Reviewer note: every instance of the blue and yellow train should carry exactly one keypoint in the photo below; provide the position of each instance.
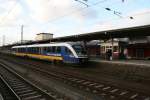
(56, 52)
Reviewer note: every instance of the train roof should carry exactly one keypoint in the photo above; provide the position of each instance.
(46, 45)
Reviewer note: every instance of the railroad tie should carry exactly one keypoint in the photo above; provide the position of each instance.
(103, 94)
(99, 86)
(134, 96)
(29, 93)
(123, 93)
(94, 91)
(74, 79)
(32, 97)
(80, 81)
(87, 89)
(23, 92)
(87, 82)
(106, 88)
(92, 84)
(21, 86)
(114, 90)
(22, 89)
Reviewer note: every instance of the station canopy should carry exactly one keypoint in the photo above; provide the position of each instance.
(130, 32)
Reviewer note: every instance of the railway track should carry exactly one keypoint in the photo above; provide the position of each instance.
(107, 91)
(23, 89)
(5, 91)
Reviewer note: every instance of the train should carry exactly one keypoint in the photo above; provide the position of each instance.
(56, 52)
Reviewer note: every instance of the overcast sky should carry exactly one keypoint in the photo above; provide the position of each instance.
(68, 17)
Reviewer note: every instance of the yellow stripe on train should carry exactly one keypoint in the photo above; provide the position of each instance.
(20, 54)
(40, 56)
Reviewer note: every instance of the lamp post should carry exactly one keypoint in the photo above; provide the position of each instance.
(22, 33)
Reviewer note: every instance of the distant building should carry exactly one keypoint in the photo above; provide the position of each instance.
(139, 48)
(100, 48)
(108, 45)
(131, 48)
(43, 36)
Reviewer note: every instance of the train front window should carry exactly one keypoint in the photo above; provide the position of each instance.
(68, 51)
(58, 49)
(79, 49)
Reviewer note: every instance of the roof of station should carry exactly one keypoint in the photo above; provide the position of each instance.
(115, 33)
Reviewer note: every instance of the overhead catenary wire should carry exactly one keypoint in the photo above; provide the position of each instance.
(75, 11)
(81, 9)
(82, 2)
(87, 7)
(132, 16)
(90, 5)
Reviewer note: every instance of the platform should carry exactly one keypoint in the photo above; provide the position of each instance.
(126, 62)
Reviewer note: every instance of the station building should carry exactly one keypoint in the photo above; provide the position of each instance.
(139, 48)
(133, 48)
(99, 48)
(109, 45)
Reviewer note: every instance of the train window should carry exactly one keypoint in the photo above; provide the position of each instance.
(44, 49)
(53, 49)
(79, 49)
(30, 50)
(58, 49)
(18, 49)
(23, 50)
(27, 50)
(37, 50)
(34, 50)
(49, 49)
(68, 51)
